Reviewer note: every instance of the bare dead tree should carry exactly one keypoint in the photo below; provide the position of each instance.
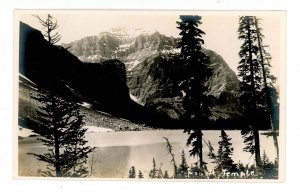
(170, 151)
(49, 27)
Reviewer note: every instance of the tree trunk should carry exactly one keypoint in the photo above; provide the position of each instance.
(257, 147)
(56, 136)
(253, 109)
(57, 160)
(268, 99)
(200, 150)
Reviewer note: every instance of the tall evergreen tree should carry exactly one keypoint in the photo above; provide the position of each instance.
(251, 77)
(259, 96)
(183, 169)
(62, 131)
(61, 127)
(197, 103)
(269, 92)
(223, 157)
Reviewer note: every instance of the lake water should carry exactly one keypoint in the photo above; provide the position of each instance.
(116, 152)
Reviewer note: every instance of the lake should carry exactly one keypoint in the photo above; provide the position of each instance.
(116, 152)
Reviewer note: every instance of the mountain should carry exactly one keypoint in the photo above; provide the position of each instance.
(152, 85)
(147, 58)
(129, 47)
(55, 68)
(28, 107)
(103, 85)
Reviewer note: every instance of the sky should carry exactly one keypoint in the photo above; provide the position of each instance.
(220, 28)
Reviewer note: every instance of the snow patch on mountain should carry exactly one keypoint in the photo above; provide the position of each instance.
(125, 46)
(171, 51)
(27, 79)
(24, 80)
(24, 132)
(138, 57)
(86, 105)
(135, 99)
(125, 33)
(133, 64)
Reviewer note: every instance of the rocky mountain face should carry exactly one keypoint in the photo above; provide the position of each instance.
(153, 86)
(103, 84)
(131, 49)
(148, 58)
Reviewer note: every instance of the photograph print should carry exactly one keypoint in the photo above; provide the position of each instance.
(150, 95)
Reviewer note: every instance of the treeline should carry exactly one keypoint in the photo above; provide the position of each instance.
(224, 167)
(258, 99)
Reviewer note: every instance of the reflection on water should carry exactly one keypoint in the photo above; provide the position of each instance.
(116, 152)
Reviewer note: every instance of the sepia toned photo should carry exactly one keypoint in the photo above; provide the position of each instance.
(150, 95)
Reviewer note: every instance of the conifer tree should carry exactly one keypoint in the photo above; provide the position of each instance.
(223, 157)
(140, 175)
(269, 92)
(61, 127)
(183, 169)
(241, 168)
(132, 173)
(154, 171)
(225, 151)
(166, 175)
(196, 172)
(160, 173)
(62, 132)
(259, 96)
(269, 169)
(251, 79)
(197, 103)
